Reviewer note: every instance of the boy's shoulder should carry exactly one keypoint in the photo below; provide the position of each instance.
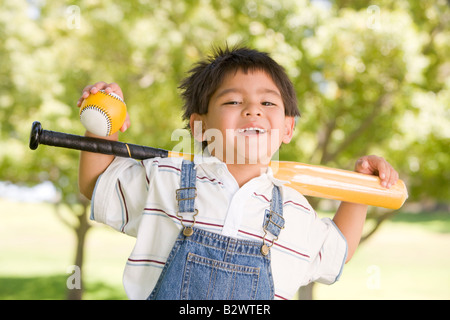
(294, 199)
(158, 161)
(161, 165)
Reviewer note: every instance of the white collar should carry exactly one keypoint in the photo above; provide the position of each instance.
(207, 159)
(277, 182)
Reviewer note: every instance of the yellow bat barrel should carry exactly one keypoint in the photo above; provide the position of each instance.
(337, 184)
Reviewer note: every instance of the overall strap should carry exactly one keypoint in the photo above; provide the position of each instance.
(187, 192)
(273, 219)
(186, 195)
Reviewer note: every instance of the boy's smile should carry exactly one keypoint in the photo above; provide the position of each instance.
(246, 120)
(251, 131)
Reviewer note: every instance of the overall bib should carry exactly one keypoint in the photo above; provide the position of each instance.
(205, 265)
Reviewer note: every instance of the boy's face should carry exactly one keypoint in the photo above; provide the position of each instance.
(246, 120)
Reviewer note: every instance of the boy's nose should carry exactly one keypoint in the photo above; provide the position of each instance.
(252, 109)
(249, 114)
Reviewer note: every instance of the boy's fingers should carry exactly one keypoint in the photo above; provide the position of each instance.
(101, 85)
(363, 165)
(359, 164)
(393, 177)
(385, 176)
(111, 87)
(388, 174)
(84, 94)
(378, 165)
(115, 88)
(383, 170)
(126, 124)
(108, 87)
(94, 90)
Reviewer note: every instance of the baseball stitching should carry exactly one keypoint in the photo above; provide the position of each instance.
(102, 111)
(112, 96)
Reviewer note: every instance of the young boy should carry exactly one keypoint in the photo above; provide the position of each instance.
(222, 227)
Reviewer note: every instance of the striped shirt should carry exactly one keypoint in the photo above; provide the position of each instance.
(138, 198)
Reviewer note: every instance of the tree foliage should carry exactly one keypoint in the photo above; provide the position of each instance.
(369, 79)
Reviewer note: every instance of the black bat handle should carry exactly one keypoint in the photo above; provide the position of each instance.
(116, 148)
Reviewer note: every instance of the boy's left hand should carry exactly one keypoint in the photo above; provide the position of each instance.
(377, 166)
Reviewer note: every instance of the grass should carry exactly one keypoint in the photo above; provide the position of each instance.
(37, 252)
(408, 258)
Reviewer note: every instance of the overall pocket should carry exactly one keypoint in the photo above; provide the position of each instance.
(208, 279)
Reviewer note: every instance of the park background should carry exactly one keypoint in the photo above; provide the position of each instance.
(372, 77)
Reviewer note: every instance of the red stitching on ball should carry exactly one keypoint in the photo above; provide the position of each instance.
(98, 108)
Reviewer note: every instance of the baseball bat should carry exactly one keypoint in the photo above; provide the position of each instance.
(309, 180)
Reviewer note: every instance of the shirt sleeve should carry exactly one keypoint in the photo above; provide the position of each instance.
(120, 194)
(328, 264)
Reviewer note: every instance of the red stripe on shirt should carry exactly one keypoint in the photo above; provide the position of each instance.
(146, 177)
(147, 260)
(184, 220)
(297, 204)
(261, 195)
(210, 179)
(125, 205)
(275, 243)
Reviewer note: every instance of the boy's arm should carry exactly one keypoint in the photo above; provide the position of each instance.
(92, 165)
(350, 217)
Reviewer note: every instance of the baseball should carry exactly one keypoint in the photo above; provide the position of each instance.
(103, 113)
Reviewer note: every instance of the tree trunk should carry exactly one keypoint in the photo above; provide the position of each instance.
(75, 288)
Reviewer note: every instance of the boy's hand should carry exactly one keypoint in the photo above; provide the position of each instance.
(377, 166)
(108, 87)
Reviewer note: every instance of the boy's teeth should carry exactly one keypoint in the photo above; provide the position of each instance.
(252, 129)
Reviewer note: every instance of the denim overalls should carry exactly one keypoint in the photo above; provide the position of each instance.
(206, 265)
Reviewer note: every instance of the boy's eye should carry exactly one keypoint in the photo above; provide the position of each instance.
(267, 103)
(232, 102)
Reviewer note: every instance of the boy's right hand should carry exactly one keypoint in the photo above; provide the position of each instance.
(109, 88)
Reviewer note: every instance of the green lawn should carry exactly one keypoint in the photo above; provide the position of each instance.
(37, 251)
(407, 259)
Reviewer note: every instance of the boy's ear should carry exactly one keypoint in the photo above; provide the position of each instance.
(289, 124)
(197, 126)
